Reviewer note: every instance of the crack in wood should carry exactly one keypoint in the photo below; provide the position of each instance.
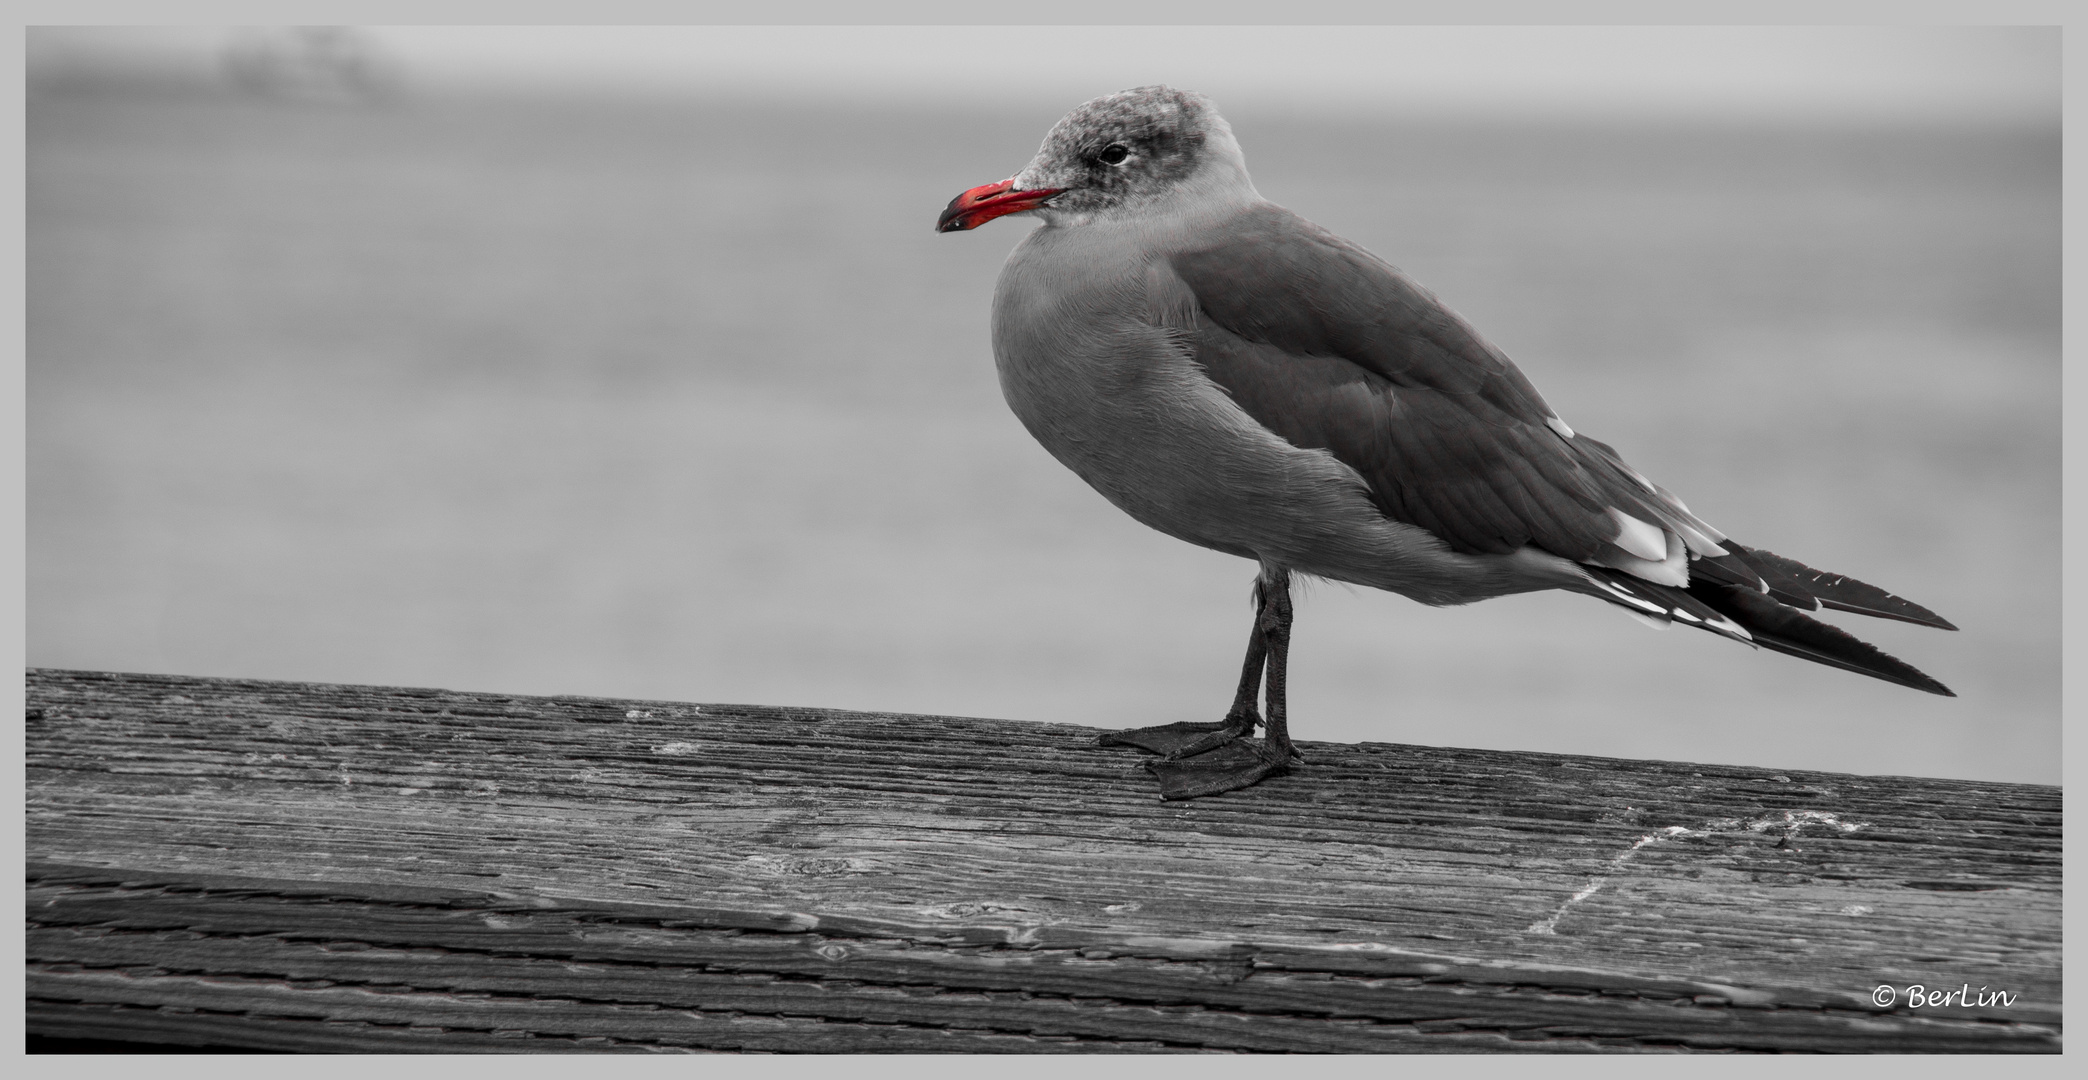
(1262, 967)
(1442, 1028)
(587, 1041)
(1791, 821)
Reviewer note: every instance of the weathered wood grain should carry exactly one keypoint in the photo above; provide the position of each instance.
(355, 868)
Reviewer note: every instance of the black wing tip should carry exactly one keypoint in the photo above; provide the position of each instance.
(1760, 620)
(1877, 664)
(1784, 629)
(1919, 616)
(1837, 591)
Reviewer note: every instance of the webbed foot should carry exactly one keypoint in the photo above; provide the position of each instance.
(1237, 764)
(1175, 740)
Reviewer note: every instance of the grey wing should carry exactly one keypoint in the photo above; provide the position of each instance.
(1332, 348)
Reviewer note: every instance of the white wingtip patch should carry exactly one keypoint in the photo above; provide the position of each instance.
(1559, 426)
(1647, 542)
(1627, 597)
(1673, 570)
(1648, 621)
(1700, 543)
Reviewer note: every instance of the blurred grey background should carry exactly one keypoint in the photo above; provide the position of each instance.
(625, 362)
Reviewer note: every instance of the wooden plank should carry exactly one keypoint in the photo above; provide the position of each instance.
(337, 867)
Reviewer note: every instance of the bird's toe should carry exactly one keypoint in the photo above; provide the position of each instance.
(1238, 764)
(1172, 740)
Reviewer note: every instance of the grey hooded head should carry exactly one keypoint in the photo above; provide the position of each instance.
(1132, 148)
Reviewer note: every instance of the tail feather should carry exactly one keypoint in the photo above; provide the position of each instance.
(1724, 599)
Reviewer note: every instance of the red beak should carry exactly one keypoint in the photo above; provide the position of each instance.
(988, 201)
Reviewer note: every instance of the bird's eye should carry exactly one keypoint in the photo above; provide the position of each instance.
(1113, 154)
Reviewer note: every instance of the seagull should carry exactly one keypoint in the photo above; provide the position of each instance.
(1238, 377)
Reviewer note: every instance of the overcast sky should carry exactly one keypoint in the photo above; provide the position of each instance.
(1788, 72)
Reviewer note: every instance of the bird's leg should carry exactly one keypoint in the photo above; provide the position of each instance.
(1277, 616)
(1241, 720)
(1232, 762)
(1188, 737)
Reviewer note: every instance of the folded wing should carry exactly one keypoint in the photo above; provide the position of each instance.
(1333, 348)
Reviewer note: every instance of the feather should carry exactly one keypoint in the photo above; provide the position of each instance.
(1746, 614)
(1333, 349)
(1844, 593)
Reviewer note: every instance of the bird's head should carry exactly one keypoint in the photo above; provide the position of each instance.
(1130, 152)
